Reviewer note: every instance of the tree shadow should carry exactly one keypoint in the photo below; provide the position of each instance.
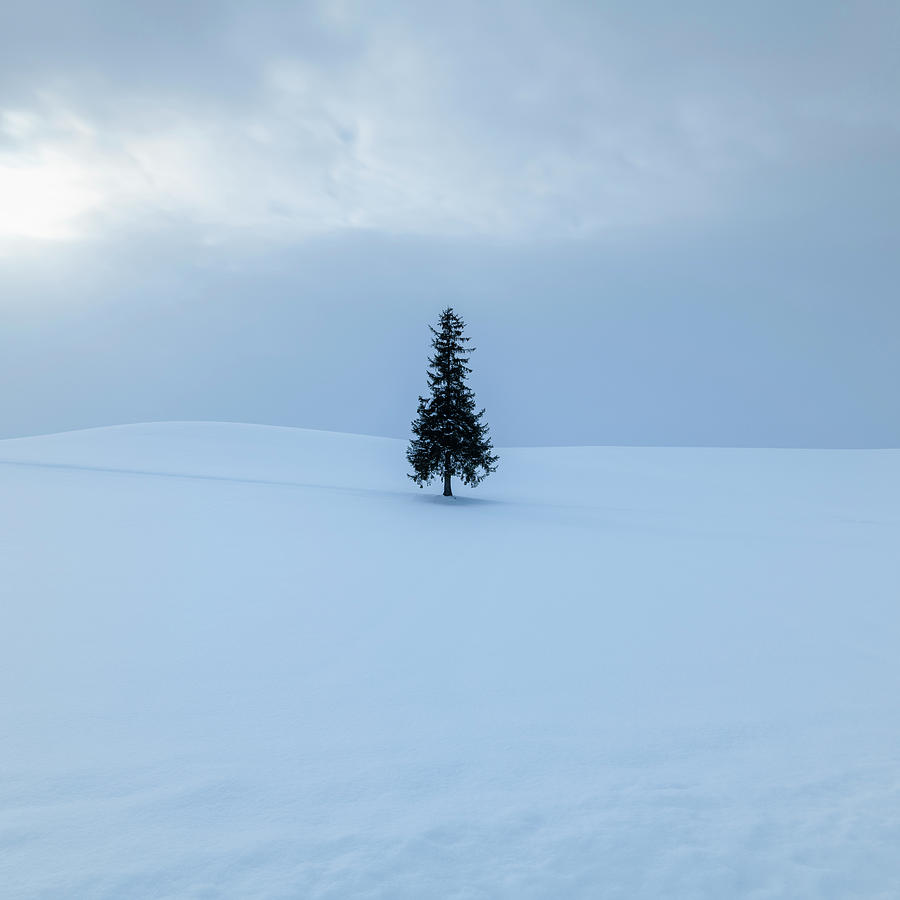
(457, 500)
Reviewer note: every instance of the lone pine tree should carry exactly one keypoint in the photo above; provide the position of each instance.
(450, 438)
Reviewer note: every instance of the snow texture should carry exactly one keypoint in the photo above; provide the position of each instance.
(252, 662)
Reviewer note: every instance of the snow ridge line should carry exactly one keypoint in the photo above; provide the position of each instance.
(110, 470)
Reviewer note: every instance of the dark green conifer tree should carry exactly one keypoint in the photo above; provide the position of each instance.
(449, 436)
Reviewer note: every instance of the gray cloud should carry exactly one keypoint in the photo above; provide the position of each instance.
(503, 120)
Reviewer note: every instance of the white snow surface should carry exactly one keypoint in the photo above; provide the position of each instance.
(254, 662)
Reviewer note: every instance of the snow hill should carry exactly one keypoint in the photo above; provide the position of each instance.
(242, 661)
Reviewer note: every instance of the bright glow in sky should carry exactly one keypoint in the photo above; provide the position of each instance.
(44, 201)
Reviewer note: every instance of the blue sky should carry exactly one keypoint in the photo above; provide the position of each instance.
(665, 224)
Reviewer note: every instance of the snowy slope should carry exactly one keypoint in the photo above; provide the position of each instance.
(241, 661)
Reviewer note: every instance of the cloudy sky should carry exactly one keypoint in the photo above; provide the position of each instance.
(665, 223)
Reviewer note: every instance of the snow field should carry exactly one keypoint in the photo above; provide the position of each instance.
(241, 661)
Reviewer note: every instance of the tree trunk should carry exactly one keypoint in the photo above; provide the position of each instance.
(447, 491)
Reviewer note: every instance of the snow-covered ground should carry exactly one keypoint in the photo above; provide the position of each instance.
(240, 661)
